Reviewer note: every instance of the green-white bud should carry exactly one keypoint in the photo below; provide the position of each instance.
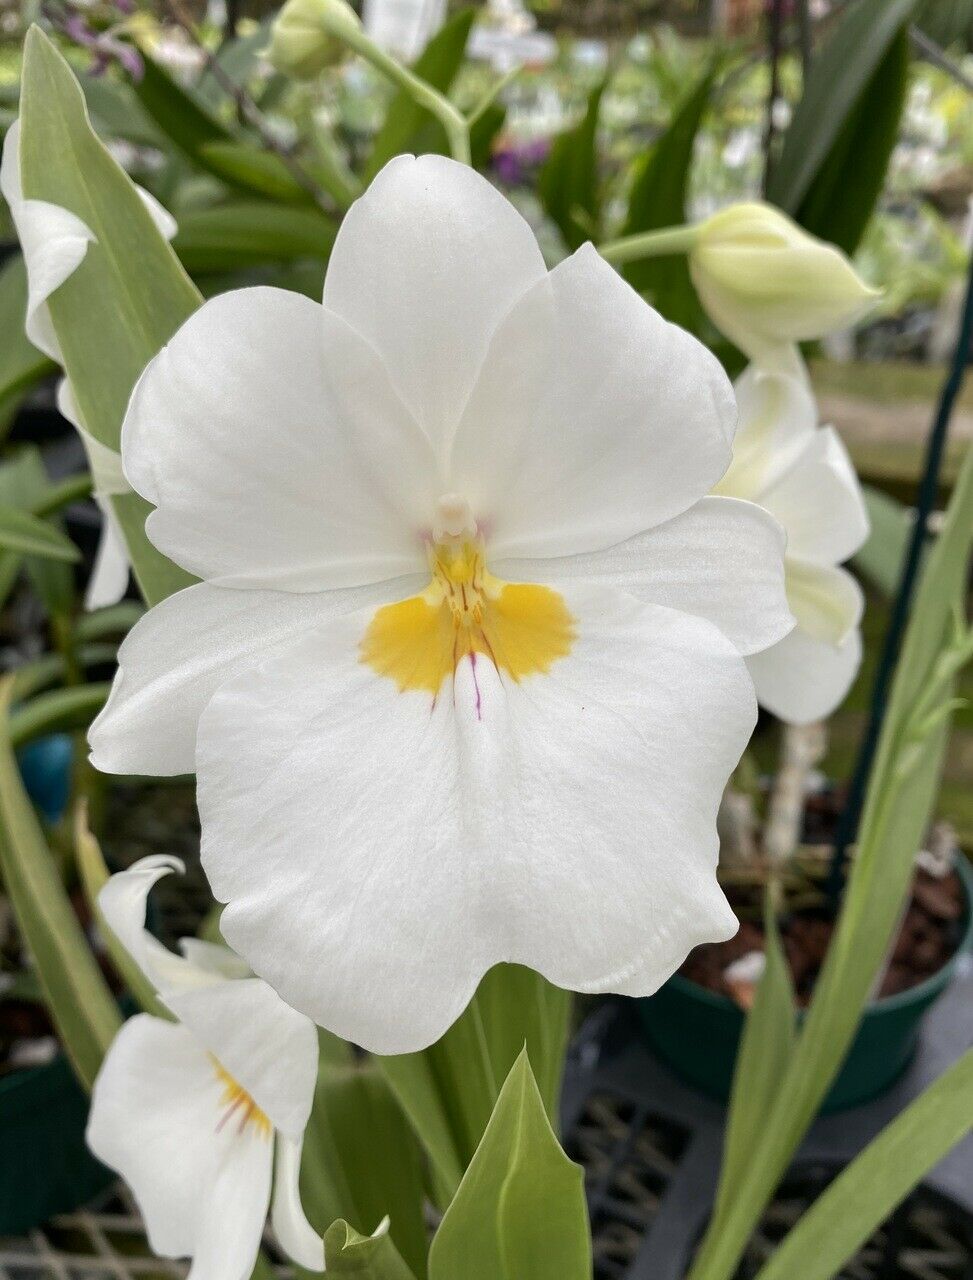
(765, 282)
(309, 35)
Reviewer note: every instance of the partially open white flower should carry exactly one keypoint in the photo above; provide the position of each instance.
(200, 1116)
(463, 681)
(54, 242)
(801, 473)
(766, 283)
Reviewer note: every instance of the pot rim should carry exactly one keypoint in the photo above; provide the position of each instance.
(885, 1004)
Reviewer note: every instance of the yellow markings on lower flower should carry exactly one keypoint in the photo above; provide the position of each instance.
(236, 1102)
(521, 628)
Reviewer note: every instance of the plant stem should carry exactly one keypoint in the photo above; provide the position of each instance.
(649, 244)
(453, 121)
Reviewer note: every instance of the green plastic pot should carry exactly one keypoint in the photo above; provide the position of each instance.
(45, 1167)
(697, 1032)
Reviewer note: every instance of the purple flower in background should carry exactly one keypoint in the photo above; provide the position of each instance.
(105, 46)
(514, 161)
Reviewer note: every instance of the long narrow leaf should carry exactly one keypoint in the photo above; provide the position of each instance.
(568, 183)
(837, 80)
(845, 1215)
(81, 1005)
(29, 535)
(127, 297)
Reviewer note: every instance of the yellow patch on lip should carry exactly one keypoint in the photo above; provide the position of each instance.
(236, 1102)
(521, 628)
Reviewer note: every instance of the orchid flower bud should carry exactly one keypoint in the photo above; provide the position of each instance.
(307, 36)
(765, 282)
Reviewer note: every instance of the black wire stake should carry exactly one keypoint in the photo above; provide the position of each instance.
(851, 816)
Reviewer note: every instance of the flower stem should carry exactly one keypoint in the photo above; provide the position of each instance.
(453, 121)
(649, 244)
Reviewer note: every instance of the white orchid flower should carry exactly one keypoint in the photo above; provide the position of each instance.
(202, 1115)
(462, 683)
(766, 283)
(54, 242)
(802, 475)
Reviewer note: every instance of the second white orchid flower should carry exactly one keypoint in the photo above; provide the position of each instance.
(463, 683)
(202, 1116)
(802, 475)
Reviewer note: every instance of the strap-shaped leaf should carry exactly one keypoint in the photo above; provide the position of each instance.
(449, 1090)
(568, 184)
(21, 364)
(81, 1005)
(861, 1198)
(835, 84)
(658, 199)
(840, 201)
(130, 293)
(520, 1210)
(765, 1051)
(361, 1161)
(29, 535)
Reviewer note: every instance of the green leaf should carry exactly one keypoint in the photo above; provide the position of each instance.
(29, 535)
(250, 232)
(354, 1116)
(254, 170)
(658, 199)
(765, 1051)
(25, 486)
(840, 201)
(882, 556)
(448, 1091)
(861, 1198)
(568, 181)
(58, 711)
(347, 1252)
(130, 293)
(22, 366)
(835, 84)
(520, 1210)
(405, 119)
(180, 116)
(80, 1003)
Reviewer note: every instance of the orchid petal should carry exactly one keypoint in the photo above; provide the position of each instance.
(721, 560)
(802, 679)
(593, 418)
(295, 1234)
(426, 265)
(177, 655)
(406, 843)
(268, 438)
(826, 601)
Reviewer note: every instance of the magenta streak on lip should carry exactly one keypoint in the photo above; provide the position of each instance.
(476, 684)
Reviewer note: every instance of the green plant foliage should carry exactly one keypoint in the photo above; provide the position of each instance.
(765, 1051)
(130, 293)
(841, 199)
(407, 126)
(374, 1257)
(863, 1195)
(24, 486)
(898, 805)
(880, 560)
(21, 532)
(244, 233)
(261, 172)
(658, 199)
(57, 711)
(568, 184)
(449, 1090)
(361, 1161)
(839, 74)
(178, 114)
(77, 996)
(520, 1210)
(22, 366)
